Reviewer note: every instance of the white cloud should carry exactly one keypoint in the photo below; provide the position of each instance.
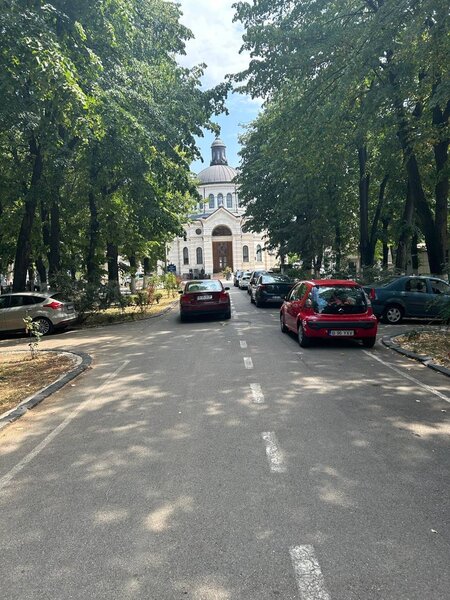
(217, 39)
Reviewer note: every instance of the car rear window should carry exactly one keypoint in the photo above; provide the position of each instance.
(275, 279)
(203, 286)
(60, 296)
(338, 300)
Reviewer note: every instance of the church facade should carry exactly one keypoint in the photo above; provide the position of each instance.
(213, 238)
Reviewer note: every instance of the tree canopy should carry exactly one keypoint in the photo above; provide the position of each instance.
(97, 132)
(355, 126)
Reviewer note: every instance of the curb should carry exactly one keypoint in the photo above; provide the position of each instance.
(387, 340)
(82, 363)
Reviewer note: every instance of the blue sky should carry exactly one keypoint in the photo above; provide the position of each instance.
(217, 43)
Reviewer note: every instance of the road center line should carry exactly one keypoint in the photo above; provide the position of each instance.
(258, 396)
(248, 362)
(243, 344)
(409, 377)
(274, 454)
(46, 441)
(308, 575)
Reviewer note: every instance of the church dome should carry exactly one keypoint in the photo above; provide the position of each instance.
(219, 171)
(217, 174)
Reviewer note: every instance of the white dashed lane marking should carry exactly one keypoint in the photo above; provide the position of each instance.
(308, 575)
(243, 344)
(248, 362)
(258, 396)
(274, 454)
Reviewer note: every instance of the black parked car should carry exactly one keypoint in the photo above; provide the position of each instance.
(409, 296)
(270, 288)
(253, 279)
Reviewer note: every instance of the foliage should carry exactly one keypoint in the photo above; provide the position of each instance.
(351, 146)
(34, 331)
(97, 126)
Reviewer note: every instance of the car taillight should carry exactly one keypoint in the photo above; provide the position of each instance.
(54, 305)
(372, 294)
(185, 299)
(223, 297)
(262, 287)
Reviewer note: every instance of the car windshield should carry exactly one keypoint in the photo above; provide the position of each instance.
(203, 286)
(338, 299)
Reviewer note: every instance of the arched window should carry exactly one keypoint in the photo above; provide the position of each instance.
(222, 230)
(229, 201)
(245, 253)
(258, 253)
(211, 201)
(219, 199)
(199, 256)
(185, 256)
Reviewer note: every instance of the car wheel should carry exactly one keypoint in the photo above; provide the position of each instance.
(283, 327)
(303, 339)
(252, 300)
(227, 315)
(369, 342)
(393, 314)
(258, 303)
(183, 318)
(45, 325)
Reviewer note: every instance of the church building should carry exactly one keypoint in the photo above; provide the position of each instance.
(213, 238)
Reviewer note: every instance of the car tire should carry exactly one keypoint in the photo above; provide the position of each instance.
(283, 327)
(227, 315)
(183, 318)
(303, 339)
(252, 300)
(393, 314)
(45, 325)
(369, 342)
(258, 303)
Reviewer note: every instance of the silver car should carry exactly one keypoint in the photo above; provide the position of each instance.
(46, 309)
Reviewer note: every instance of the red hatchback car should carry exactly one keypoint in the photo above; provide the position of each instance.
(329, 308)
(204, 297)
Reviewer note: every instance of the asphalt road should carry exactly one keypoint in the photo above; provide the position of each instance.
(217, 460)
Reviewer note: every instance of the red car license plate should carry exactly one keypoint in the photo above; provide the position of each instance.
(342, 332)
(205, 297)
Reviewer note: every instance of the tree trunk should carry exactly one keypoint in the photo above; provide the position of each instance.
(374, 229)
(440, 120)
(94, 228)
(364, 182)
(23, 247)
(401, 256)
(112, 257)
(414, 253)
(385, 222)
(41, 269)
(430, 228)
(133, 268)
(54, 254)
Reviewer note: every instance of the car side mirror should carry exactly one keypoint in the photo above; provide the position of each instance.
(227, 288)
(308, 303)
(180, 291)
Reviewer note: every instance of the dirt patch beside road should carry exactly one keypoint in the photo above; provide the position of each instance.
(21, 376)
(435, 344)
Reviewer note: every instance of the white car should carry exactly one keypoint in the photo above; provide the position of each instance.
(244, 280)
(46, 309)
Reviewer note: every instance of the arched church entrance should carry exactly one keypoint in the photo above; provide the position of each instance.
(222, 246)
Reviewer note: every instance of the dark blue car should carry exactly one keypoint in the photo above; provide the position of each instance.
(409, 296)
